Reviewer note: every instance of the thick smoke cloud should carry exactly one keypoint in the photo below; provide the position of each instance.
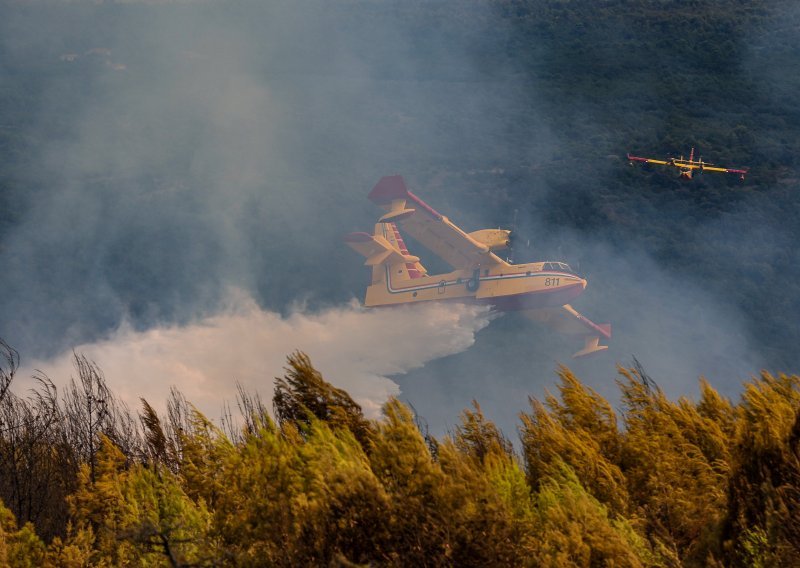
(355, 349)
(191, 147)
(194, 147)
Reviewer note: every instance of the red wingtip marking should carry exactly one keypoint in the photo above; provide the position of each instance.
(387, 189)
(422, 205)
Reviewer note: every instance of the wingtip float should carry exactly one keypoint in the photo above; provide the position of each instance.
(540, 290)
(687, 167)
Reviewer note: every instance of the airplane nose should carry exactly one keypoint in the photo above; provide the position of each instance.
(583, 283)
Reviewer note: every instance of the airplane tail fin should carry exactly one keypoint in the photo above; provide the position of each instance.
(388, 189)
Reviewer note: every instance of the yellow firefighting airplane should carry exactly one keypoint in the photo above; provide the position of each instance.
(686, 167)
(541, 290)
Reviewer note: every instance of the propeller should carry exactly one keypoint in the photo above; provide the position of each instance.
(515, 242)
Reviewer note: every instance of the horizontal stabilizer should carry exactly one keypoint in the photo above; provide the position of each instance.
(378, 258)
(591, 345)
(377, 249)
(397, 215)
(360, 237)
(390, 257)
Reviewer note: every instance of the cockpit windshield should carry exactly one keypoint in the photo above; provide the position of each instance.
(560, 266)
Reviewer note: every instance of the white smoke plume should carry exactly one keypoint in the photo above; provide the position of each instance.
(355, 348)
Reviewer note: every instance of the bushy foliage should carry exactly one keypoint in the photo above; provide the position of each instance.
(657, 483)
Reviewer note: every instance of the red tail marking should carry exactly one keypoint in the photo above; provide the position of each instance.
(387, 189)
(410, 266)
(394, 187)
(606, 328)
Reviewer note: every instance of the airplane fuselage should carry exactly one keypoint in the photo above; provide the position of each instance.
(541, 290)
(510, 287)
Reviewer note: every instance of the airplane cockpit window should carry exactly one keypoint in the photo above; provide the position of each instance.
(560, 266)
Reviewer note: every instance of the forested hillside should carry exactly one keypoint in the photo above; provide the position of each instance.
(657, 78)
(86, 481)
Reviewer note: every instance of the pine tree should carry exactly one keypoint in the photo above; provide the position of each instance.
(302, 393)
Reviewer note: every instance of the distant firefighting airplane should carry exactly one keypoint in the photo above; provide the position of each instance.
(686, 167)
(540, 290)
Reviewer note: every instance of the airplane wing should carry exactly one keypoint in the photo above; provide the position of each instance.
(568, 321)
(647, 160)
(433, 230)
(725, 170)
(707, 167)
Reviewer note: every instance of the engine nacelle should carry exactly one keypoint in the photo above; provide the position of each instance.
(495, 239)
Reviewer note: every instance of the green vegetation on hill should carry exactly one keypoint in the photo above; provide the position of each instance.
(656, 78)
(657, 483)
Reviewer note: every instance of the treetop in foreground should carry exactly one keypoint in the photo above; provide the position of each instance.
(654, 483)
